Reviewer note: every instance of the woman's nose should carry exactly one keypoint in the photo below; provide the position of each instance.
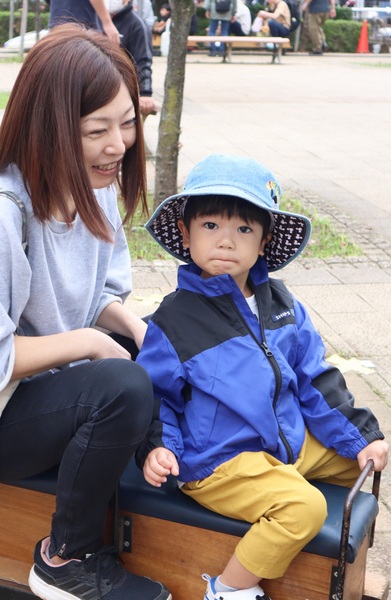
(116, 144)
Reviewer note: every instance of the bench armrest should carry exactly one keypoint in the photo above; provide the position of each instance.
(347, 513)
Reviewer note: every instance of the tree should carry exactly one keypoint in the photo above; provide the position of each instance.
(170, 119)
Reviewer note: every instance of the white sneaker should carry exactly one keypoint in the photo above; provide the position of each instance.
(254, 593)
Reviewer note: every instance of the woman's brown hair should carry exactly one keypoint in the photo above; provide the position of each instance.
(67, 75)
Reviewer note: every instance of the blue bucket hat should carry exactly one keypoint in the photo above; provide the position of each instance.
(238, 177)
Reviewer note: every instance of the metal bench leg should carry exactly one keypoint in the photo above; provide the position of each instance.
(227, 52)
(277, 52)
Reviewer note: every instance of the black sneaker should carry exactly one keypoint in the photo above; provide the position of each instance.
(100, 576)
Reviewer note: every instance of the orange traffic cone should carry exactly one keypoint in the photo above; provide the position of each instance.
(362, 45)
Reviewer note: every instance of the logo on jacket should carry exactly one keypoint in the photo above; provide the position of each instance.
(283, 315)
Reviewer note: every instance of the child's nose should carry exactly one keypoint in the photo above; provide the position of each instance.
(226, 240)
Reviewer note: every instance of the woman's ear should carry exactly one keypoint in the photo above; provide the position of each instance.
(185, 234)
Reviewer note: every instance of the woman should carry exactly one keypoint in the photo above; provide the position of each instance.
(70, 395)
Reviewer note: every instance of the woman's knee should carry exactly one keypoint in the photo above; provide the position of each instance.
(122, 391)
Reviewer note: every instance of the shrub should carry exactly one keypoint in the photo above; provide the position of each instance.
(4, 24)
(202, 21)
(344, 13)
(342, 35)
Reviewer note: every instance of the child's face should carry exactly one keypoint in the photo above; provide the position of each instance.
(219, 245)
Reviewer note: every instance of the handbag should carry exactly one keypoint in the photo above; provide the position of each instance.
(222, 6)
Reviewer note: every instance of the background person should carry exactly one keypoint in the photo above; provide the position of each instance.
(164, 17)
(144, 8)
(137, 41)
(91, 13)
(278, 19)
(318, 12)
(219, 18)
(242, 23)
(70, 395)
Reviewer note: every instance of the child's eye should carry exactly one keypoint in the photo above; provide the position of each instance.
(210, 225)
(244, 229)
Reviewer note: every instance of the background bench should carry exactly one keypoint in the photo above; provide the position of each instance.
(252, 42)
(166, 535)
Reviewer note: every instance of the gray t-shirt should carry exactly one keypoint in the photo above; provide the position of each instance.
(66, 281)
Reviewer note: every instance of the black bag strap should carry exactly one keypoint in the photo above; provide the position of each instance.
(22, 209)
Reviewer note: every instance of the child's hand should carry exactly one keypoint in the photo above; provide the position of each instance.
(160, 463)
(377, 451)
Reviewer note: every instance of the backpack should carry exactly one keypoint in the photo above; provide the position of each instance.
(295, 14)
(20, 205)
(222, 6)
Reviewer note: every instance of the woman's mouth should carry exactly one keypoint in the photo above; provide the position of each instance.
(109, 169)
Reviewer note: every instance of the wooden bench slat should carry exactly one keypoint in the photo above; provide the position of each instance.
(233, 41)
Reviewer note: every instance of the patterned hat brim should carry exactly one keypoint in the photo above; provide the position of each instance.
(290, 234)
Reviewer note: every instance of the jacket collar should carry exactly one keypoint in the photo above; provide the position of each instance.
(189, 278)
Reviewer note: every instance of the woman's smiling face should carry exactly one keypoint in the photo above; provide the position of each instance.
(106, 134)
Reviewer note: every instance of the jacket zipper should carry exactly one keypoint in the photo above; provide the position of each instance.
(274, 365)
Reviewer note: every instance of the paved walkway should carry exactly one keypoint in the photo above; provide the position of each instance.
(323, 125)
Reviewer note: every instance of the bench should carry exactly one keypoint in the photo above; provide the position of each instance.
(166, 535)
(252, 42)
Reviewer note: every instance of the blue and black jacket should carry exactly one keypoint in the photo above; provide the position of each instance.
(227, 383)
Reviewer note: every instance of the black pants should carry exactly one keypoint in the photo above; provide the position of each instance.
(88, 419)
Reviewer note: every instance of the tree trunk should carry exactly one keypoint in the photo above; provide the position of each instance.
(170, 119)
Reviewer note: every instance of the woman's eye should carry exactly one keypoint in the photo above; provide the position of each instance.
(130, 122)
(96, 132)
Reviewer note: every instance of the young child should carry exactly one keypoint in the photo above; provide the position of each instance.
(249, 409)
(161, 24)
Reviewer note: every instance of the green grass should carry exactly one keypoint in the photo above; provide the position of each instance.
(379, 65)
(3, 99)
(12, 59)
(325, 241)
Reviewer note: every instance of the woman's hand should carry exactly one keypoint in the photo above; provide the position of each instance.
(118, 319)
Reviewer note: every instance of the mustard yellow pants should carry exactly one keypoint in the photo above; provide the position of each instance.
(286, 510)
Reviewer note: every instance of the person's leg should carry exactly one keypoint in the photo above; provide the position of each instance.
(286, 512)
(315, 31)
(212, 31)
(325, 16)
(324, 464)
(276, 29)
(304, 35)
(88, 419)
(224, 25)
(235, 29)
